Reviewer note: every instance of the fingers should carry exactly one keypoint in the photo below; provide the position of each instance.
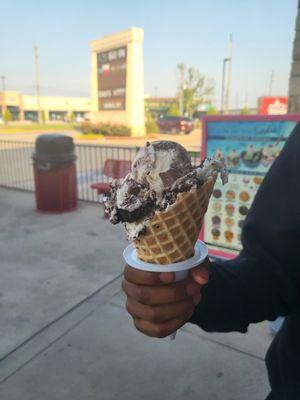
(201, 273)
(159, 305)
(159, 330)
(162, 313)
(155, 295)
(147, 278)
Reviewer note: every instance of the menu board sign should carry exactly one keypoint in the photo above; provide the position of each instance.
(111, 67)
(249, 147)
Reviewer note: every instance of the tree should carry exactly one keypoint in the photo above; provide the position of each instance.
(72, 117)
(212, 111)
(194, 89)
(43, 117)
(150, 123)
(7, 116)
(173, 110)
(245, 111)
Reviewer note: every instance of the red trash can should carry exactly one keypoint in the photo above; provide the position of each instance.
(55, 173)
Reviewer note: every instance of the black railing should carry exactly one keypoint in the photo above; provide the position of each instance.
(16, 165)
(90, 164)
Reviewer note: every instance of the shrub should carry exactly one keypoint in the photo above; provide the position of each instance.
(43, 116)
(95, 128)
(174, 110)
(72, 117)
(197, 124)
(244, 111)
(105, 129)
(115, 130)
(7, 116)
(85, 127)
(151, 126)
(212, 111)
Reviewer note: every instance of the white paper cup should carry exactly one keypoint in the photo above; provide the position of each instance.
(180, 268)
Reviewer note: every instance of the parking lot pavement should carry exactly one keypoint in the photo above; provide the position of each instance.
(192, 141)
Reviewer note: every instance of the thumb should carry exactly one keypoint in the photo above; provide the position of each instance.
(200, 274)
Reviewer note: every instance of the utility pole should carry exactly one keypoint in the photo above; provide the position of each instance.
(237, 101)
(37, 81)
(271, 83)
(227, 90)
(181, 87)
(225, 60)
(246, 100)
(3, 95)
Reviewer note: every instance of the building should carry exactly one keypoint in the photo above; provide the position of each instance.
(25, 108)
(294, 83)
(159, 105)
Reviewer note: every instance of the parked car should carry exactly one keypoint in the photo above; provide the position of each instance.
(175, 124)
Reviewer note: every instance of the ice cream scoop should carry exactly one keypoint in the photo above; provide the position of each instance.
(154, 170)
(159, 164)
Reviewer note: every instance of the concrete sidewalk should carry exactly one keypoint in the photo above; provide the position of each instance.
(66, 335)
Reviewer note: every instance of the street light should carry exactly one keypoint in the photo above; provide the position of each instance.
(3, 95)
(225, 60)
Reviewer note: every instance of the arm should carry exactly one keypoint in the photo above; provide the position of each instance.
(264, 280)
(261, 283)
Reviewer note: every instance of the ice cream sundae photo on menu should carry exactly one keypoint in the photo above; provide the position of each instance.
(251, 157)
(233, 159)
(269, 153)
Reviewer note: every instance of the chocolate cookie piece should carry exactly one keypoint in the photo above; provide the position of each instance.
(132, 216)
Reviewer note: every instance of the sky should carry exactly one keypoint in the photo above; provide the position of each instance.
(195, 32)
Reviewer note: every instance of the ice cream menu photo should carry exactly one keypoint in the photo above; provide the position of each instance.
(249, 146)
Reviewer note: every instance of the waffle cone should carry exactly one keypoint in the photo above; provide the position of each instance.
(171, 235)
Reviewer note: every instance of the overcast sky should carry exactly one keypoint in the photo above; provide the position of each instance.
(195, 32)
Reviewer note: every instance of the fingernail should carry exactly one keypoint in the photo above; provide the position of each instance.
(200, 279)
(166, 277)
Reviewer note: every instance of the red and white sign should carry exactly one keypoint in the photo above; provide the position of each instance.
(273, 105)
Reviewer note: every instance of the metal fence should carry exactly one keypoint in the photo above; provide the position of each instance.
(16, 165)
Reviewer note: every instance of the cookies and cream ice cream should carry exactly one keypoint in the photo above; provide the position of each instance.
(160, 172)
